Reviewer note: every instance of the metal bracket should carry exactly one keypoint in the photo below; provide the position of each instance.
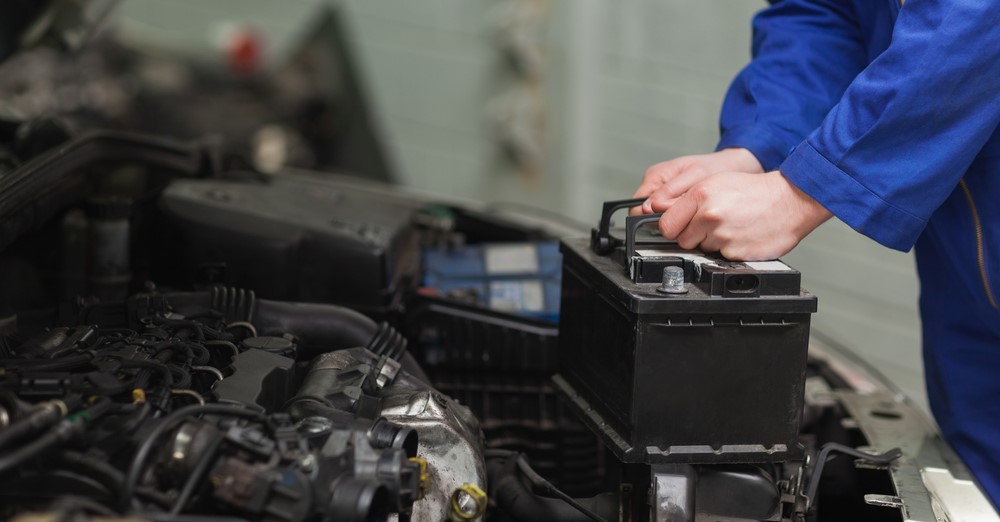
(673, 493)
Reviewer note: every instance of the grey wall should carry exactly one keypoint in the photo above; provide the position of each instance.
(626, 84)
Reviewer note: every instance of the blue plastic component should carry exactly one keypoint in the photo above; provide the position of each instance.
(517, 278)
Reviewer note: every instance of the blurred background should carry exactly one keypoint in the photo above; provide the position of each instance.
(563, 104)
(556, 104)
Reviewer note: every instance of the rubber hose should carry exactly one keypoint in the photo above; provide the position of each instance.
(320, 328)
(516, 499)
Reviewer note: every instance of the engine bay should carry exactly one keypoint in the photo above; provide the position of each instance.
(184, 341)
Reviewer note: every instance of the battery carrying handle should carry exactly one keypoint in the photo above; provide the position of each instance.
(601, 241)
(632, 224)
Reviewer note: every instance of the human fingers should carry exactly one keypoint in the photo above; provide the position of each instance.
(652, 206)
(653, 179)
(643, 208)
(707, 228)
(714, 242)
(673, 188)
(657, 174)
(694, 234)
(677, 217)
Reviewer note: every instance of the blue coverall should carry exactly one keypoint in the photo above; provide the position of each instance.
(888, 116)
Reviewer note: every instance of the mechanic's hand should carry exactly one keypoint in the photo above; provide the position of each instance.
(665, 182)
(746, 217)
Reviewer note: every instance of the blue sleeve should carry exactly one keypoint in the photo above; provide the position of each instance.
(909, 126)
(805, 53)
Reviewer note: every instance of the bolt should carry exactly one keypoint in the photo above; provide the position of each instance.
(673, 281)
(314, 425)
(468, 502)
(308, 463)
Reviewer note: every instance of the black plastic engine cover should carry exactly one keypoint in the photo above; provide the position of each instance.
(291, 238)
(708, 376)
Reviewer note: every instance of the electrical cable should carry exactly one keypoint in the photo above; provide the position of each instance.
(198, 328)
(188, 393)
(214, 334)
(830, 447)
(95, 410)
(137, 418)
(155, 496)
(162, 346)
(69, 505)
(547, 487)
(182, 377)
(49, 365)
(45, 416)
(233, 347)
(109, 476)
(68, 428)
(541, 483)
(168, 423)
(203, 355)
(194, 477)
(168, 376)
(243, 324)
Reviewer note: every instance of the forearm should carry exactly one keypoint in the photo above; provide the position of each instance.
(805, 54)
(910, 125)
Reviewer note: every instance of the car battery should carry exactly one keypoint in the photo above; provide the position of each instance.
(519, 278)
(708, 369)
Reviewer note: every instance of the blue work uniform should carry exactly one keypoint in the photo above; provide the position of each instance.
(888, 116)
